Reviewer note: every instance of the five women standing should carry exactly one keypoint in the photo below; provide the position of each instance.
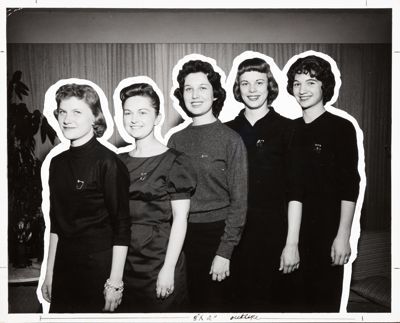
(192, 196)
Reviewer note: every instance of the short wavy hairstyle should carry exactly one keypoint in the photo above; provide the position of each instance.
(256, 65)
(89, 95)
(196, 66)
(317, 67)
(141, 89)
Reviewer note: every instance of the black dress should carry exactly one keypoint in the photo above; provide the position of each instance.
(89, 211)
(155, 181)
(256, 280)
(324, 172)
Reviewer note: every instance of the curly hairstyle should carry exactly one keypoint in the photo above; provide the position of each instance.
(195, 66)
(141, 89)
(317, 67)
(256, 65)
(91, 98)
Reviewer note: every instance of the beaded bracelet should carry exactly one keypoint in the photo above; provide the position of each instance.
(118, 288)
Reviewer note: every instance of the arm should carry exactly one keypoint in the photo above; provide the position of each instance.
(112, 297)
(48, 280)
(237, 178)
(165, 280)
(116, 195)
(290, 259)
(349, 179)
(341, 251)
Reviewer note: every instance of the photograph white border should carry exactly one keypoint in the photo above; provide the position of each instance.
(307, 4)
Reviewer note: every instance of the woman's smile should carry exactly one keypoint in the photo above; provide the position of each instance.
(254, 89)
(198, 94)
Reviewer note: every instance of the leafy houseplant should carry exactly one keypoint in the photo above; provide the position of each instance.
(26, 225)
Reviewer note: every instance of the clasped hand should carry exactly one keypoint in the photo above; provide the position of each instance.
(290, 259)
(113, 299)
(340, 251)
(165, 282)
(220, 268)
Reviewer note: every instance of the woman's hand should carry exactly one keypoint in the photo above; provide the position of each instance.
(165, 282)
(220, 268)
(340, 251)
(290, 259)
(112, 296)
(46, 288)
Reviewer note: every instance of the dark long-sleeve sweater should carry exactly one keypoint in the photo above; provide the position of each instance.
(89, 198)
(324, 159)
(219, 157)
(267, 143)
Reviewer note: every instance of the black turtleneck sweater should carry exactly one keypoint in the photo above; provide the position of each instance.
(89, 198)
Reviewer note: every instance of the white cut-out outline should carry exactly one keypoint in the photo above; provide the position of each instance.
(175, 102)
(284, 103)
(50, 105)
(355, 228)
(118, 111)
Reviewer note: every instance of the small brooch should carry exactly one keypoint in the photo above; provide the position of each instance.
(260, 143)
(79, 184)
(142, 176)
(317, 148)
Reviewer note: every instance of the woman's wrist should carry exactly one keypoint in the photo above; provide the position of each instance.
(169, 266)
(343, 234)
(114, 286)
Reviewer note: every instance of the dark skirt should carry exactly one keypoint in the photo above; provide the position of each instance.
(201, 244)
(318, 283)
(145, 259)
(78, 281)
(257, 283)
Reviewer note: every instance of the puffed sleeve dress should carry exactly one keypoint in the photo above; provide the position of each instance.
(154, 182)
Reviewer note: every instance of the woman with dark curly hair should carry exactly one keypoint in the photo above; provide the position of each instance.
(162, 182)
(323, 189)
(218, 207)
(89, 211)
(266, 135)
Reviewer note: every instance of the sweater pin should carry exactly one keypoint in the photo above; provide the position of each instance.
(79, 184)
(317, 148)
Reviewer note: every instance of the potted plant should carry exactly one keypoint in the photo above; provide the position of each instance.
(26, 225)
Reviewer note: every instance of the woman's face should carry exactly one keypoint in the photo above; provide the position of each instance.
(139, 116)
(198, 94)
(253, 87)
(308, 91)
(76, 120)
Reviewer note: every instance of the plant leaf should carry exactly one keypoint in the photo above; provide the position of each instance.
(47, 130)
(16, 76)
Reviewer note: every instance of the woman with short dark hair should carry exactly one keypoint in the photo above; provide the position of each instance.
(218, 207)
(323, 189)
(89, 211)
(162, 182)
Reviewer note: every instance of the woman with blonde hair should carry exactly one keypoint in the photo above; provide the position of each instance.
(89, 211)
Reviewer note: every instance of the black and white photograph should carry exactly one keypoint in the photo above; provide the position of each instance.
(200, 162)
